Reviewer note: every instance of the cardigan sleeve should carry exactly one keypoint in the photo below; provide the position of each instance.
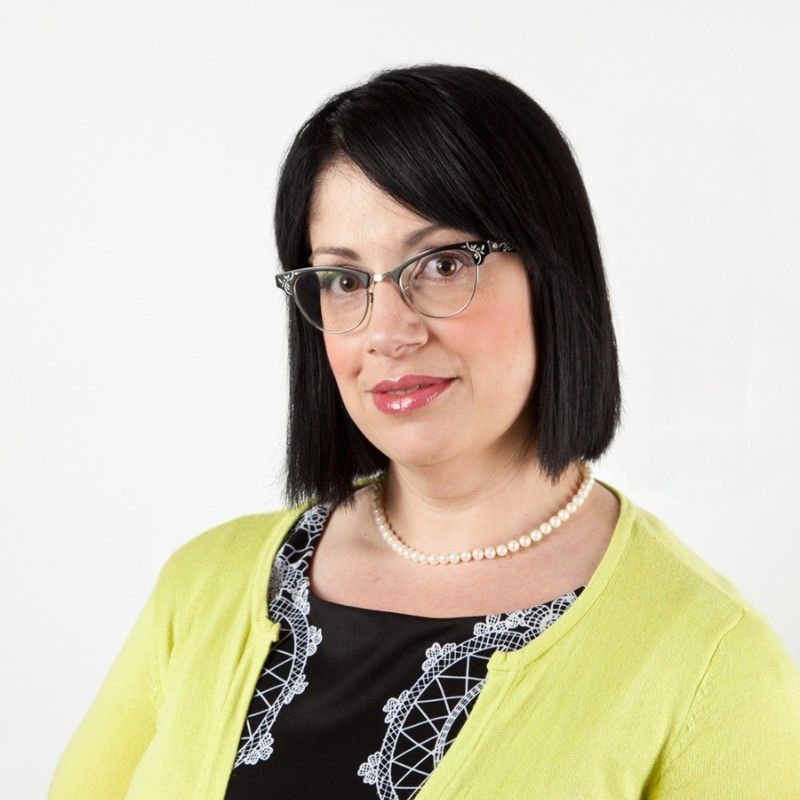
(102, 755)
(741, 736)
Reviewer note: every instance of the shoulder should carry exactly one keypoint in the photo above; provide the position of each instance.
(739, 712)
(222, 560)
(665, 591)
(702, 646)
(672, 554)
(679, 591)
(230, 541)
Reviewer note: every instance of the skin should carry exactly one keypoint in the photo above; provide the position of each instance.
(453, 482)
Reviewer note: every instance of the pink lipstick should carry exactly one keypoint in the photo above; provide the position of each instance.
(408, 393)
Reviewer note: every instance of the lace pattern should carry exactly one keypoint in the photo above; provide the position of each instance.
(423, 719)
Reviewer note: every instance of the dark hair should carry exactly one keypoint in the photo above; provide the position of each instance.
(510, 176)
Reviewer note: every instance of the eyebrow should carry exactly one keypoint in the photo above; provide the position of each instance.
(413, 238)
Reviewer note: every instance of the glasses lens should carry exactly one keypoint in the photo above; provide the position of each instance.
(441, 284)
(333, 299)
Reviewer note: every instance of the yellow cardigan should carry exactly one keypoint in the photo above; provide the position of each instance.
(660, 681)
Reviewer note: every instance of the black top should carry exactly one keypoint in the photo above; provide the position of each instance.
(361, 703)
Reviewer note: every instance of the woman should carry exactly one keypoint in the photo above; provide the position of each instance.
(452, 605)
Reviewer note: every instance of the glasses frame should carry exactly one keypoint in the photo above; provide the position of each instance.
(479, 249)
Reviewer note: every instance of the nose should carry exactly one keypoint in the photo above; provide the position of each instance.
(392, 325)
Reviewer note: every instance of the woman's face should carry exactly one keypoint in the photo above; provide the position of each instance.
(487, 350)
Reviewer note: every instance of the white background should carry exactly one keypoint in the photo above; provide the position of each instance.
(143, 358)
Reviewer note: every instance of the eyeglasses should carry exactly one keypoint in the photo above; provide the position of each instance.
(439, 283)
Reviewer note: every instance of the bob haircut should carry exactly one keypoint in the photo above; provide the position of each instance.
(464, 147)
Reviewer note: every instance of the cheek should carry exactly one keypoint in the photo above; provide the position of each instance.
(342, 361)
(506, 336)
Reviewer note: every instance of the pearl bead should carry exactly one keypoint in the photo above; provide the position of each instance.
(502, 550)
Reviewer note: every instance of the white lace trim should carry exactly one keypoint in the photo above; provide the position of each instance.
(420, 719)
(283, 677)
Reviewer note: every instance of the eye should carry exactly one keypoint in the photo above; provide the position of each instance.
(346, 283)
(336, 282)
(440, 266)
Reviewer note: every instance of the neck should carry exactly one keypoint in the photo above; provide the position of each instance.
(450, 508)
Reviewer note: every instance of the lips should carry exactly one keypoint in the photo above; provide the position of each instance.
(411, 397)
(407, 383)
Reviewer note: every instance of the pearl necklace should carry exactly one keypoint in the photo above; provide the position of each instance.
(503, 550)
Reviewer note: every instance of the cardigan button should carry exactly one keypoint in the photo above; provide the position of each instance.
(275, 632)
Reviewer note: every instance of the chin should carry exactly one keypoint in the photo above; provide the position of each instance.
(423, 448)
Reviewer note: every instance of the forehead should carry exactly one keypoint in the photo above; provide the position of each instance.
(346, 208)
